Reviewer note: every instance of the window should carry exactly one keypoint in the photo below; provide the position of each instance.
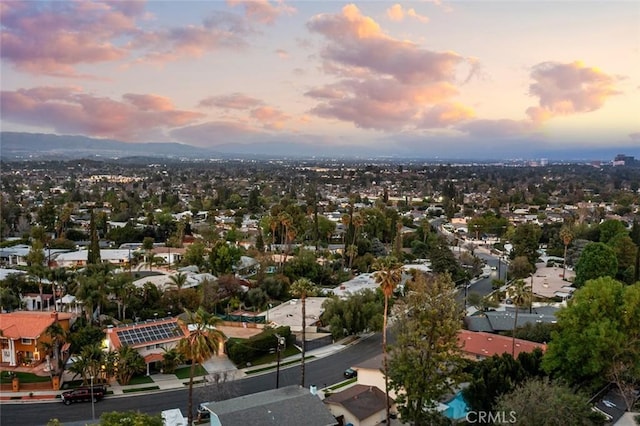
(26, 341)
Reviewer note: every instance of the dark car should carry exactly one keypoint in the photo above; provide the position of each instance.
(85, 393)
(350, 373)
(203, 413)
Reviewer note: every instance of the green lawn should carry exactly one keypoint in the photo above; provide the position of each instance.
(24, 378)
(148, 388)
(269, 358)
(282, 364)
(345, 383)
(140, 380)
(183, 372)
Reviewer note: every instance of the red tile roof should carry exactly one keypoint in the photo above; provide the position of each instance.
(487, 344)
(28, 324)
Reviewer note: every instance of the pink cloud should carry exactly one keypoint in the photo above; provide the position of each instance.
(51, 39)
(270, 117)
(390, 84)
(69, 110)
(564, 89)
(220, 31)
(357, 41)
(446, 114)
(397, 13)
(263, 11)
(232, 101)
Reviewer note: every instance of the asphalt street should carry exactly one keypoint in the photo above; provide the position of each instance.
(320, 372)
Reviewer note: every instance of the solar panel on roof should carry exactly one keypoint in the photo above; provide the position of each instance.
(149, 333)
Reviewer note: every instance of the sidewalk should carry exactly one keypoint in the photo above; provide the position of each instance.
(161, 382)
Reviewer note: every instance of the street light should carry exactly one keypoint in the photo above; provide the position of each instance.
(280, 345)
(93, 406)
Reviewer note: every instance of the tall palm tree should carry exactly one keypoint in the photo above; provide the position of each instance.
(567, 237)
(303, 288)
(521, 296)
(357, 221)
(388, 276)
(179, 280)
(202, 342)
(58, 336)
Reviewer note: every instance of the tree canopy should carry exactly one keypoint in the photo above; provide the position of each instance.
(597, 260)
(603, 316)
(426, 346)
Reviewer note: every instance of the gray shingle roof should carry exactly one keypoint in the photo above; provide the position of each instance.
(360, 400)
(291, 405)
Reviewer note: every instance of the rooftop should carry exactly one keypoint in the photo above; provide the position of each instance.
(28, 324)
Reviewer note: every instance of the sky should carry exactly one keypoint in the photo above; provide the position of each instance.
(432, 77)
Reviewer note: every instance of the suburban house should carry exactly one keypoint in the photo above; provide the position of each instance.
(33, 301)
(287, 406)
(77, 259)
(149, 338)
(478, 345)
(497, 321)
(358, 405)
(22, 335)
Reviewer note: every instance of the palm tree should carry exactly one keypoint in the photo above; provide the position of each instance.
(202, 342)
(179, 280)
(303, 288)
(567, 237)
(58, 336)
(130, 363)
(357, 221)
(171, 358)
(520, 295)
(388, 277)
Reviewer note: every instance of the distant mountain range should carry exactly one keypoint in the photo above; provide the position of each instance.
(39, 146)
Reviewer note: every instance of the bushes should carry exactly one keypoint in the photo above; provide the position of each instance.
(241, 351)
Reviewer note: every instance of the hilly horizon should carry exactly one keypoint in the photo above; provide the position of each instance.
(38, 146)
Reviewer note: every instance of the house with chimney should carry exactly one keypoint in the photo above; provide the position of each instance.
(23, 333)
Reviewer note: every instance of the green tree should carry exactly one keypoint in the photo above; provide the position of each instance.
(609, 229)
(603, 316)
(171, 359)
(147, 246)
(566, 235)
(178, 281)
(195, 255)
(202, 342)
(130, 418)
(525, 240)
(130, 363)
(426, 345)
(35, 260)
(358, 312)
(303, 288)
(58, 336)
(496, 375)
(539, 402)
(388, 276)
(224, 257)
(93, 254)
(597, 260)
(520, 294)
(480, 302)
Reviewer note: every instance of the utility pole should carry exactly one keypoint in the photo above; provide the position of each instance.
(280, 344)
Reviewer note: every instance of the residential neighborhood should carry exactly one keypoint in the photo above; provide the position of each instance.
(147, 278)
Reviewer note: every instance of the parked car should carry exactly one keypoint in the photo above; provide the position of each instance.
(85, 393)
(350, 373)
(203, 413)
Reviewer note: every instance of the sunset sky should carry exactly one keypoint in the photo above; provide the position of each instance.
(439, 78)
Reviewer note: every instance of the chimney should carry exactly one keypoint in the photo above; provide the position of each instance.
(54, 315)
